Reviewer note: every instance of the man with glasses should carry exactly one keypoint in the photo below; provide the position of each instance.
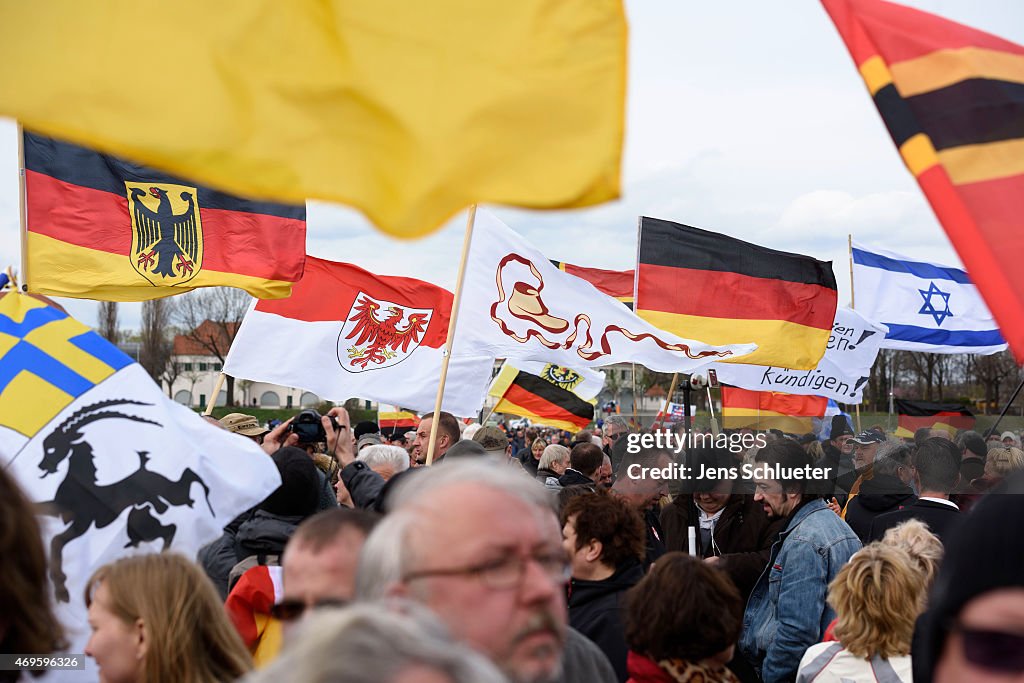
(787, 612)
(614, 428)
(319, 563)
(318, 570)
(481, 547)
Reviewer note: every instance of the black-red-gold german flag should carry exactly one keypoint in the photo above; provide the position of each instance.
(952, 98)
(721, 290)
(770, 410)
(526, 395)
(100, 227)
(914, 415)
(617, 284)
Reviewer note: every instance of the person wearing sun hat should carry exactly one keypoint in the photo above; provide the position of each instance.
(246, 425)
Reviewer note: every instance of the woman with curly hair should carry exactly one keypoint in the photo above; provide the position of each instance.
(157, 618)
(878, 595)
(682, 623)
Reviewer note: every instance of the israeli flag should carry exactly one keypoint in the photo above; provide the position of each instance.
(927, 307)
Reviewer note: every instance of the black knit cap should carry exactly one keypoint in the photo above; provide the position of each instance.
(840, 426)
(985, 553)
(299, 492)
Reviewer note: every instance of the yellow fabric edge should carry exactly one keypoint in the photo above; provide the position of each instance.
(781, 344)
(943, 68)
(986, 161)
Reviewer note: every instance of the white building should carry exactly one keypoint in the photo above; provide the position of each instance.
(198, 368)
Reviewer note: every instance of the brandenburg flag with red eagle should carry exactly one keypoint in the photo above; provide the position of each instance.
(100, 227)
(952, 98)
(347, 333)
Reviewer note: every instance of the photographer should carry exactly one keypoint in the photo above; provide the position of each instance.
(312, 437)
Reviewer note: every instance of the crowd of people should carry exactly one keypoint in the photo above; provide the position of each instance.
(532, 555)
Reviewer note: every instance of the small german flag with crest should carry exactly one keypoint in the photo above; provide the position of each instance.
(541, 400)
(100, 227)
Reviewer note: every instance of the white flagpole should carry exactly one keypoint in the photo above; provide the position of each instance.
(22, 211)
(467, 240)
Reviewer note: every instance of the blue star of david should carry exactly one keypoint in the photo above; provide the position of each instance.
(929, 308)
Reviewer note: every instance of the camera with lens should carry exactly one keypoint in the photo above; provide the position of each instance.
(309, 428)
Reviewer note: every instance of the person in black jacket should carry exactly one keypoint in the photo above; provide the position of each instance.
(264, 531)
(937, 470)
(887, 490)
(604, 537)
(838, 450)
(584, 464)
(728, 526)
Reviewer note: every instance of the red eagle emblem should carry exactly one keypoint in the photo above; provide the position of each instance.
(379, 334)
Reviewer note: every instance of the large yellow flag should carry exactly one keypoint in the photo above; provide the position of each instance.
(407, 110)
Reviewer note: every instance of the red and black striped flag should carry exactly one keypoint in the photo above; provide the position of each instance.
(100, 227)
(721, 290)
(546, 403)
(952, 98)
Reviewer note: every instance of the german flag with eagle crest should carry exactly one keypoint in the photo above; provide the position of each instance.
(100, 227)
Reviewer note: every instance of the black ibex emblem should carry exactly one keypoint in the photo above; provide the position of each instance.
(83, 503)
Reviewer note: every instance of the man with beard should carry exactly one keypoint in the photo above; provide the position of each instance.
(730, 529)
(865, 447)
(787, 611)
(481, 547)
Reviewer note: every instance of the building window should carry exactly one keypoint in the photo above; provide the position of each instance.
(187, 367)
(202, 367)
(270, 399)
(217, 366)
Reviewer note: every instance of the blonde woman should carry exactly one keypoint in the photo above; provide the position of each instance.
(157, 618)
(877, 595)
(923, 547)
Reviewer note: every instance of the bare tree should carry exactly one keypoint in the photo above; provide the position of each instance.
(156, 343)
(172, 371)
(991, 372)
(108, 324)
(210, 317)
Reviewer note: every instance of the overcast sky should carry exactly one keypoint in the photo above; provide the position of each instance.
(745, 118)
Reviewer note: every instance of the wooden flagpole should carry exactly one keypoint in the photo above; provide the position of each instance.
(22, 212)
(216, 393)
(668, 398)
(849, 245)
(467, 240)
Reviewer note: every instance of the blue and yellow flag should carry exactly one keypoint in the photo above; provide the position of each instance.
(47, 360)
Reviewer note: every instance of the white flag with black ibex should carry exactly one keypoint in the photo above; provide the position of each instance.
(116, 467)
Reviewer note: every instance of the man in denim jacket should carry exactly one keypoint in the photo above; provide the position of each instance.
(787, 611)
